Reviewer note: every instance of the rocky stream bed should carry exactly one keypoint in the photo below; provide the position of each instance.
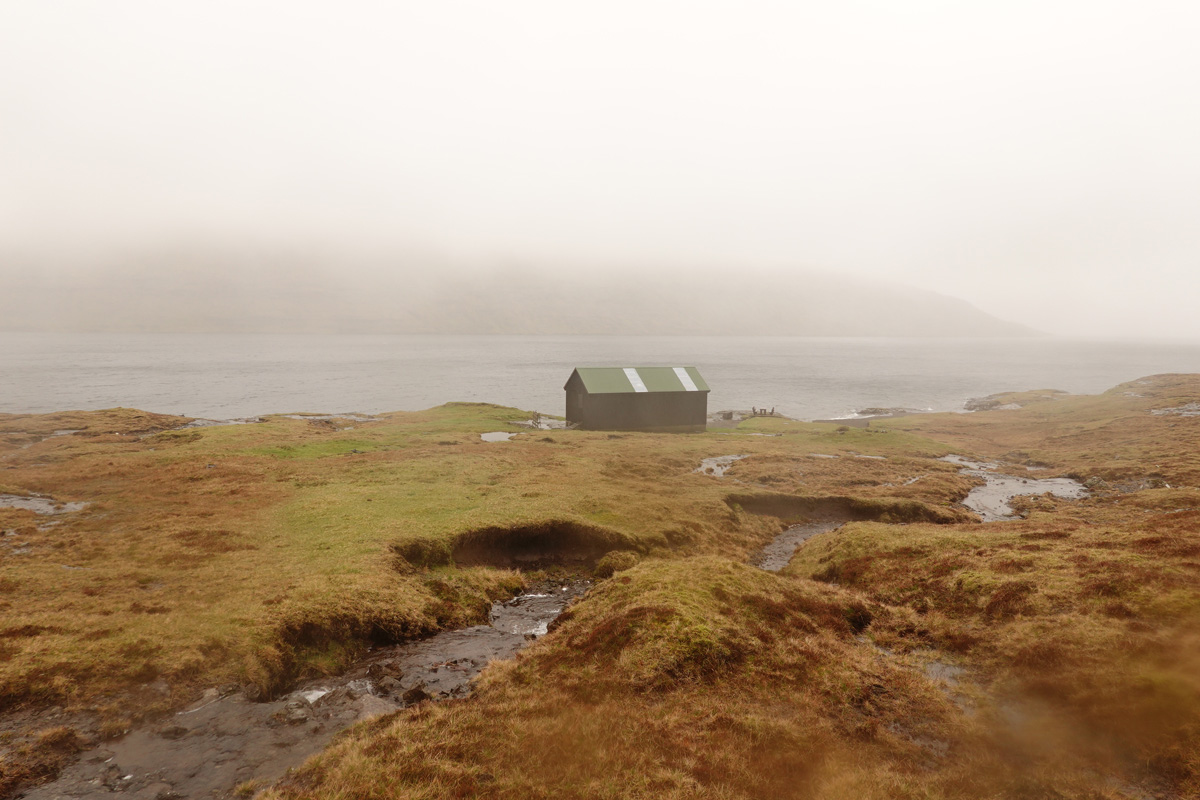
(228, 739)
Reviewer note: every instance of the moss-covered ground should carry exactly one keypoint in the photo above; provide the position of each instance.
(912, 653)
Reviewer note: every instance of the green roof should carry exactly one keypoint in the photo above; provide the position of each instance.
(622, 380)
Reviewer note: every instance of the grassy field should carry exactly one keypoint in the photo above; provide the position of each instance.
(912, 653)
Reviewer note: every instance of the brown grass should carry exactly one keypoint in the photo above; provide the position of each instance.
(39, 759)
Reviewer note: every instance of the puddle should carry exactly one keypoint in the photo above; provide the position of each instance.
(820, 455)
(38, 504)
(1188, 410)
(990, 501)
(323, 417)
(225, 738)
(541, 422)
(717, 465)
(209, 423)
(873, 458)
(941, 672)
(496, 436)
(779, 552)
(38, 438)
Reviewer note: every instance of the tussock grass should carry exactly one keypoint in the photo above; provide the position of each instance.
(39, 759)
(1083, 616)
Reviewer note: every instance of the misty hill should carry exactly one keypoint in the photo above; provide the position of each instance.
(295, 295)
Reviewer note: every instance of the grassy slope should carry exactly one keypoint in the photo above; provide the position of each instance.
(687, 675)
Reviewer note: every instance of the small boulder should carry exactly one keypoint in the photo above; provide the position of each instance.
(389, 685)
(296, 712)
(173, 732)
(415, 695)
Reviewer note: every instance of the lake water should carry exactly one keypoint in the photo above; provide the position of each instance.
(226, 376)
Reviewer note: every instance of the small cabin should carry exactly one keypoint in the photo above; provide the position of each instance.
(673, 399)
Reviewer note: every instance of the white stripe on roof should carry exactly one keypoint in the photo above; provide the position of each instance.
(686, 379)
(635, 379)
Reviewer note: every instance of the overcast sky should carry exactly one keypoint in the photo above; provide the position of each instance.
(1039, 159)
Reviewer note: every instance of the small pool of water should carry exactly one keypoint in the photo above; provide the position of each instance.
(39, 505)
(990, 501)
(717, 465)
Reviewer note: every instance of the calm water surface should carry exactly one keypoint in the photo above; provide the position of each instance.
(224, 376)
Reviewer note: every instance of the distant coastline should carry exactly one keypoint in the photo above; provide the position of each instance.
(227, 376)
(183, 298)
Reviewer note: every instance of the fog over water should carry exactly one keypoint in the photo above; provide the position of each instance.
(225, 376)
(1036, 160)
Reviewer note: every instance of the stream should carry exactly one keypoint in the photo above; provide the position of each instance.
(990, 501)
(226, 739)
(776, 555)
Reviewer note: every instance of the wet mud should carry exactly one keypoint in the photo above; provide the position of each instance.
(536, 546)
(990, 501)
(227, 740)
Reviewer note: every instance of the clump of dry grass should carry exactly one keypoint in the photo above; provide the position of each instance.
(39, 759)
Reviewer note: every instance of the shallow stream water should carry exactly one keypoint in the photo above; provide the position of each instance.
(990, 501)
(776, 555)
(226, 738)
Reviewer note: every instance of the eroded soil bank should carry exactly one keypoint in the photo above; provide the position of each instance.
(226, 740)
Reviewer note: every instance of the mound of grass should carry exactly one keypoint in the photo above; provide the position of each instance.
(1091, 618)
(693, 678)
